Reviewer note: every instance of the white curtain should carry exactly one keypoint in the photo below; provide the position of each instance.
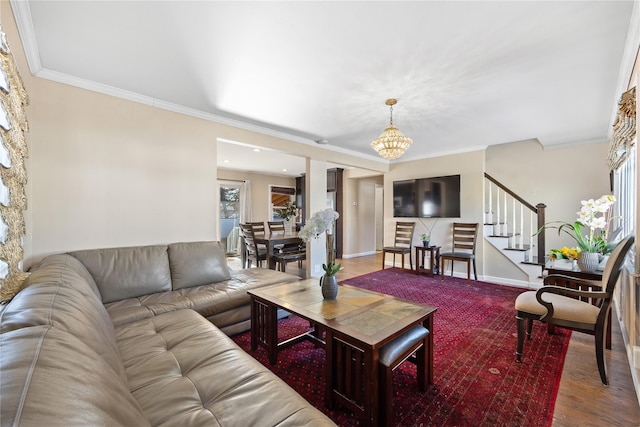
(245, 202)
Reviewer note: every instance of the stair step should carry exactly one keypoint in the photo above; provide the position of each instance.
(534, 260)
(523, 249)
(504, 235)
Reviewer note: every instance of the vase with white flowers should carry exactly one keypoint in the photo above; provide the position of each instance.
(595, 216)
(322, 222)
(288, 213)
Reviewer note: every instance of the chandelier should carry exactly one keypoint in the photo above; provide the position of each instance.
(391, 143)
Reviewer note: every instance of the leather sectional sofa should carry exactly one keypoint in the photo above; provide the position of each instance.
(135, 337)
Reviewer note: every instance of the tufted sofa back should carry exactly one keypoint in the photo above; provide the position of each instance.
(57, 332)
(129, 272)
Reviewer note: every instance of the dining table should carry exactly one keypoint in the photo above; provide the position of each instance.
(273, 240)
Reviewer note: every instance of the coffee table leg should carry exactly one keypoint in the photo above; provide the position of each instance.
(427, 376)
(264, 328)
(329, 361)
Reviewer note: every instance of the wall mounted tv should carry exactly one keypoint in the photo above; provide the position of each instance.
(437, 197)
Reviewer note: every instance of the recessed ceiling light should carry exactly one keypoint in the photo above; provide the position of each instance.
(284, 170)
(257, 150)
(226, 161)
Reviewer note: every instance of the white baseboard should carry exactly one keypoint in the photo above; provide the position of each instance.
(510, 282)
(347, 256)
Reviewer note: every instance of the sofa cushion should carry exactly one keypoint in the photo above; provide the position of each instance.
(185, 371)
(197, 263)
(49, 377)
(64, 268)
(57, 295)
(122, 273)
(208, 300)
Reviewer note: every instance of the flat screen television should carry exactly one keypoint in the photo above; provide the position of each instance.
(437, 197)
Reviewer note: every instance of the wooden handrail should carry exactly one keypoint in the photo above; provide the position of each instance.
(511, 193)
(539, 210)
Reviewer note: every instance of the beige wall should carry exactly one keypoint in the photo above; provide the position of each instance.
(559, 178)
(359, 213)
(260, 187)
(108, 172)
(470, 167)
(105, 172)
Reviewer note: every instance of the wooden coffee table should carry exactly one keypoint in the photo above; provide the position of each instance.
(356, 325)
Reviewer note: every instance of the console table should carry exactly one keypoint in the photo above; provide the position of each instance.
(434, 260)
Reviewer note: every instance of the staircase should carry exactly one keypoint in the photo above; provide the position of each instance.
(510, 223)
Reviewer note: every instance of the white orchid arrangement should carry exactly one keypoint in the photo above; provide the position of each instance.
(320, 222)
(595, 214)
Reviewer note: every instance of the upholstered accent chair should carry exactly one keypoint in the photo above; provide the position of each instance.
(578, 310)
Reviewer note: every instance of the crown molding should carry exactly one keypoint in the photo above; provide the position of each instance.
(22, 16)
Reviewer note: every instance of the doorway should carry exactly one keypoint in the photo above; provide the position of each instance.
(231, 195)
(379, 216)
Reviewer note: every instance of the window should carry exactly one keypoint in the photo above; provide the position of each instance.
(230, 199)
(625, 192)
(280, 197)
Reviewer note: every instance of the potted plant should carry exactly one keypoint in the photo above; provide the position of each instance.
(322, 222)
(287, 213)
(426, 236)
(329, 282)
(592, 244)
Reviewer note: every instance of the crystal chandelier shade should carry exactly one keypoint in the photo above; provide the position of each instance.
(391, 143)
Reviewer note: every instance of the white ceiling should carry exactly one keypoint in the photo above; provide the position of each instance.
(466, 74)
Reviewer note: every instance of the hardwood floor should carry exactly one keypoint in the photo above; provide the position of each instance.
(582, 399)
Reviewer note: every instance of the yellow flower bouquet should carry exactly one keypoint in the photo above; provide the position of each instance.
(564, 253)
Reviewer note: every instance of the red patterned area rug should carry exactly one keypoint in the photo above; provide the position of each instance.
(477, 381)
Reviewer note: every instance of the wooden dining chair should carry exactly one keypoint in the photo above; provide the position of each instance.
(276, 226)
(258, 227)
(294, 252)
(464, 248)
(576, 309)
(253, 251)
(283, 257)
(402, 243)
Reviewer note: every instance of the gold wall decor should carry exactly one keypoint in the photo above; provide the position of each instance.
(13, 174)
(624, 130)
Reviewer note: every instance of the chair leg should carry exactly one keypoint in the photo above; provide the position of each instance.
(530, 328)
(441, 268)
(383, 256)
(475, 271)
(600, 356)
(410, 260)
(520, 326)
